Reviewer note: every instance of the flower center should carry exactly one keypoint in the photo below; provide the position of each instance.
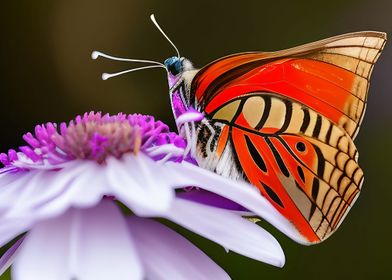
(97, 138)
(92, 136)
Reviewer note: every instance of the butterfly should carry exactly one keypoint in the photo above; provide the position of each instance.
(283, 121)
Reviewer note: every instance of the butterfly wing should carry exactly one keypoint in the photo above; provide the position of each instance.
(330, 76)
(289, 118)
(302, 162)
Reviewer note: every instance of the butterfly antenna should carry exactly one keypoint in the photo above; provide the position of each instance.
(106, 76)
(155, 64)
(152, 17)
(96, 54)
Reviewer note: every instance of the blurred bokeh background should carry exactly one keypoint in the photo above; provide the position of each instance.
(47, 75)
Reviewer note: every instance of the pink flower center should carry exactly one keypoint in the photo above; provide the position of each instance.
(92, 136)
(99, 138)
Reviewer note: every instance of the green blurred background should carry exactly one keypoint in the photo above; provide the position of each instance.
(47, 75)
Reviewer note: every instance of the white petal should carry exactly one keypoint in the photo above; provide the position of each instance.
(136, 181)
(9, 229)
(39, 195)
(43, 254)
(227, 229)
(87, 244)
(9, 256)
(104, 248)
(168, 255)
(242, 193)
(81, 187)
(42, 187)
(11, 185)
(8, 177)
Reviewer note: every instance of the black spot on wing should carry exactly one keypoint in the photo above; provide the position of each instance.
(315, 188)
(272, 195)
(255, 154)
(320, 161)
(300, 146)
(315, 191)
(266, 112)
(278, 158)
(317, 127)
(329, 133)
(305, 121)
(301, 173)
(287, 116)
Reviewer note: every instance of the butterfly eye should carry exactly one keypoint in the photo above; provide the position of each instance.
(173, 65)
(300, 147)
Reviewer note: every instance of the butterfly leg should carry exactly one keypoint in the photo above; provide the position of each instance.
(187, 129)
(193, 145)
(169, 151)
(186, 132)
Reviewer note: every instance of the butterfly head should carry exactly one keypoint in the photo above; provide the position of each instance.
(180, 70)
(174, 65)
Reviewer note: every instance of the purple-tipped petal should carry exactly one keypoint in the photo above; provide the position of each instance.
(212, 199)
(8, 257)
(12, 228)
(167, 255)
(227, 229)
(240, 192)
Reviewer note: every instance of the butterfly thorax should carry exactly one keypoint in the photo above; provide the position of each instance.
(180, 74)
(201, 135)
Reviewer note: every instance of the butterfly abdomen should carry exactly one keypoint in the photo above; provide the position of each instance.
(214, 150)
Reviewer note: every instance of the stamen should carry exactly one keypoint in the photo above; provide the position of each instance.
(152, 17)
(137, 141)
(106, 76)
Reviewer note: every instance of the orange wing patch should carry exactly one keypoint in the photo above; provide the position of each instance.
(263, 170)
(330, 76)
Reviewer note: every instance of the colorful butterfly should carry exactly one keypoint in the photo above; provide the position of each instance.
(284, 121)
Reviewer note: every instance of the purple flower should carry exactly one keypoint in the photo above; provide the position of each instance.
(69, 186)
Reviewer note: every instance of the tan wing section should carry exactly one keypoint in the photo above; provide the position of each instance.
(356, 53)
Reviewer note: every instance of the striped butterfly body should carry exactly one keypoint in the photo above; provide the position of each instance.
(285, 122)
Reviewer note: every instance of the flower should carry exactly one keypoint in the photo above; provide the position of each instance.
(68, 186)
